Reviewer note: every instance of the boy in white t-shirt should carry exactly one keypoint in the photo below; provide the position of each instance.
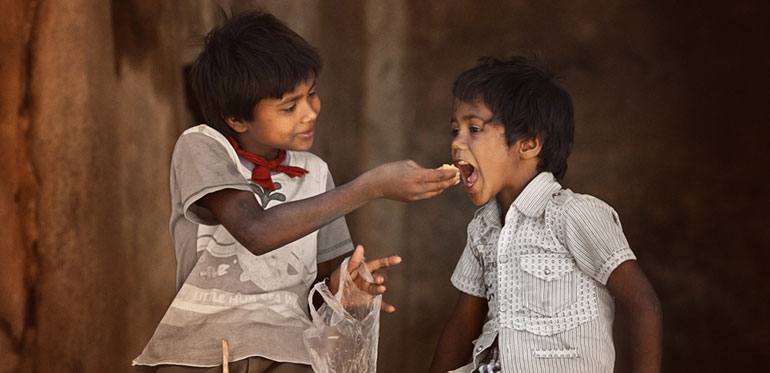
(256, 219)
(543, 268)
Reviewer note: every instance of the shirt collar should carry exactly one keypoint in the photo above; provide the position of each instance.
(489, 214)
(532, 200)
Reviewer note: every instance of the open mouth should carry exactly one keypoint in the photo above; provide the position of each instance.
(467, 171)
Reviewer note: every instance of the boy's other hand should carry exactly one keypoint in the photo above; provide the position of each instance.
(406, 181)
(373, 266)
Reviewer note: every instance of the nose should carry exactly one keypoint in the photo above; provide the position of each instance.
(311, 110)
(459, 142)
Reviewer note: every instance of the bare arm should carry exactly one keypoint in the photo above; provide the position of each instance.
(456, 343)
(262, 231)
(326, 268)
(636, 299)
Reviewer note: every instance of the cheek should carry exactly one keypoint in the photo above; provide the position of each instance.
(315, 103)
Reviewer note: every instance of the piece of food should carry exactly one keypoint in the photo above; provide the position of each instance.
(447, 166)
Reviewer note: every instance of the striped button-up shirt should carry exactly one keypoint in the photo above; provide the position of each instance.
(544, 274)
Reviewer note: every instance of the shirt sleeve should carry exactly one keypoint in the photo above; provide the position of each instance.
(468, 276)
(201, 165)
(334, 238)
(594, 236)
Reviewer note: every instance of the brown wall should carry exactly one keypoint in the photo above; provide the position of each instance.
(88, 125)
(670, 108)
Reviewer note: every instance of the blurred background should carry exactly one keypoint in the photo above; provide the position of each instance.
(671, 106)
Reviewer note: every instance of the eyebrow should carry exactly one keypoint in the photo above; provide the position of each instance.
(474, 116)
(297, 96)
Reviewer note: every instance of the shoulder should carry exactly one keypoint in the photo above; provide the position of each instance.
(201, 137)
(203, 148)
(566, 199)
(317, 167)
(573, 206)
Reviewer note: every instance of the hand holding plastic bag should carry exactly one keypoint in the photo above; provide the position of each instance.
(345, 329)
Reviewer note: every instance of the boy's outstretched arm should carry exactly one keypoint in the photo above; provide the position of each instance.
(636, 299)
(456, 343)
(261, 231)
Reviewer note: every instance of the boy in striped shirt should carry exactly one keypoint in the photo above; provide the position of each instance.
(543, 268)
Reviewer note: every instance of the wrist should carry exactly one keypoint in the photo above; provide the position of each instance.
(333, 281)
(366, 187)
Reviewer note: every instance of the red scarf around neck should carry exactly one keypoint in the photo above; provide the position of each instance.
(262, 167)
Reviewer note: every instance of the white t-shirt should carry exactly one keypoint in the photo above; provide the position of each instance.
(257, 303)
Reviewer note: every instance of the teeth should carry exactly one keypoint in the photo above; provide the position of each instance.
(461, 162)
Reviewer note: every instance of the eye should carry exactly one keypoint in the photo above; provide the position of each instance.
(311, 93)
(290, 108)
(475, 129)
(454, 132)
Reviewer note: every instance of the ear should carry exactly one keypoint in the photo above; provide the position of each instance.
(236, 124)
(530, 148)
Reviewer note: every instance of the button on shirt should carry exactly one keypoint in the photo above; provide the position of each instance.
(544, 274)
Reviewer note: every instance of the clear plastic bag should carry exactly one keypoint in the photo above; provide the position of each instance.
(346, 328)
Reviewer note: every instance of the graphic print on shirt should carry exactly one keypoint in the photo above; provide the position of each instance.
(266, 195)
(277, 269)
(209, 291)
(488, 252)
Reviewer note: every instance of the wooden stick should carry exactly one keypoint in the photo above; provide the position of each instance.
(225, 357)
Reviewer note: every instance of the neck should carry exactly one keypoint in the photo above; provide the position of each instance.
(257, 149)
(506, 196)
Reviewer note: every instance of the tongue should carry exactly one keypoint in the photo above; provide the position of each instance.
(466, 169)
(472, 179)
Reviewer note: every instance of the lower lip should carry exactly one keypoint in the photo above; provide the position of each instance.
(307, 133)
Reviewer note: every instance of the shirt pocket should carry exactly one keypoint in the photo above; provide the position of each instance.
(549, 282)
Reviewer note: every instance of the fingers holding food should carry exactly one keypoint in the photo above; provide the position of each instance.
(451, 167)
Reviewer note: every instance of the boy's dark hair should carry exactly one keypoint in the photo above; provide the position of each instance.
(525, 96)
(251, 57)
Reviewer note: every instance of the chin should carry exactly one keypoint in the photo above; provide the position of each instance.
(478, 199)
(302, 147)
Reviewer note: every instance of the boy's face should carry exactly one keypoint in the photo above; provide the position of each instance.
(285, 123)
(488, 166)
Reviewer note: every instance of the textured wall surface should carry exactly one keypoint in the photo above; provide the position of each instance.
(671, 125)
(18, 190)
(94, 105)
